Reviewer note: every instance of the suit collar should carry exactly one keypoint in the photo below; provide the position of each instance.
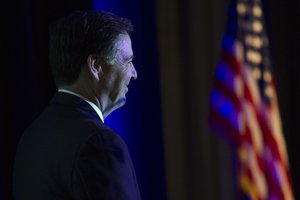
(98, 111)
(70, 100)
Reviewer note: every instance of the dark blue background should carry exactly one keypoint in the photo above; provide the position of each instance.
(140, 120)
(26, 84)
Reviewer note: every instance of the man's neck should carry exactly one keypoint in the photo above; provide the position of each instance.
(84, 92)
(95, 107)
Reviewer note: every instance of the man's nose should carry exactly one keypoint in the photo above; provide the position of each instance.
(134, 73)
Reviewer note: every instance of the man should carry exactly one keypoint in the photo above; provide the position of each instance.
(68, 152)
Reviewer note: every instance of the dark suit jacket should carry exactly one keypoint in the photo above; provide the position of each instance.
(68, 153)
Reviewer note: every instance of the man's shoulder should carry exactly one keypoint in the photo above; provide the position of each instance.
(64, 124)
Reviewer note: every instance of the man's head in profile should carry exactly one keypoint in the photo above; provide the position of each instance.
(91, 54)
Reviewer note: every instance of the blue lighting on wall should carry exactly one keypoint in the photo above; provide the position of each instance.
(139, 120)
(109, 5)
(115, 120)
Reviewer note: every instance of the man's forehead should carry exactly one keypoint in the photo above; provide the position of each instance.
(123, 41)
(123, 46)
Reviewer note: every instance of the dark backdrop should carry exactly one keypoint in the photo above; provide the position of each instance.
(283, 18)
(27, 85)
(198, 163)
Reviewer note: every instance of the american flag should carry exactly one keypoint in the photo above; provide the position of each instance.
(244, 107)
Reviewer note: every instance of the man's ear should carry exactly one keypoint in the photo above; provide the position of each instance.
(94, 66)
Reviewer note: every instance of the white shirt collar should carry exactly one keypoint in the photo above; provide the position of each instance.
(98, 111)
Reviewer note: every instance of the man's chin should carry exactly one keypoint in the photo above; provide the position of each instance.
(119, 103)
